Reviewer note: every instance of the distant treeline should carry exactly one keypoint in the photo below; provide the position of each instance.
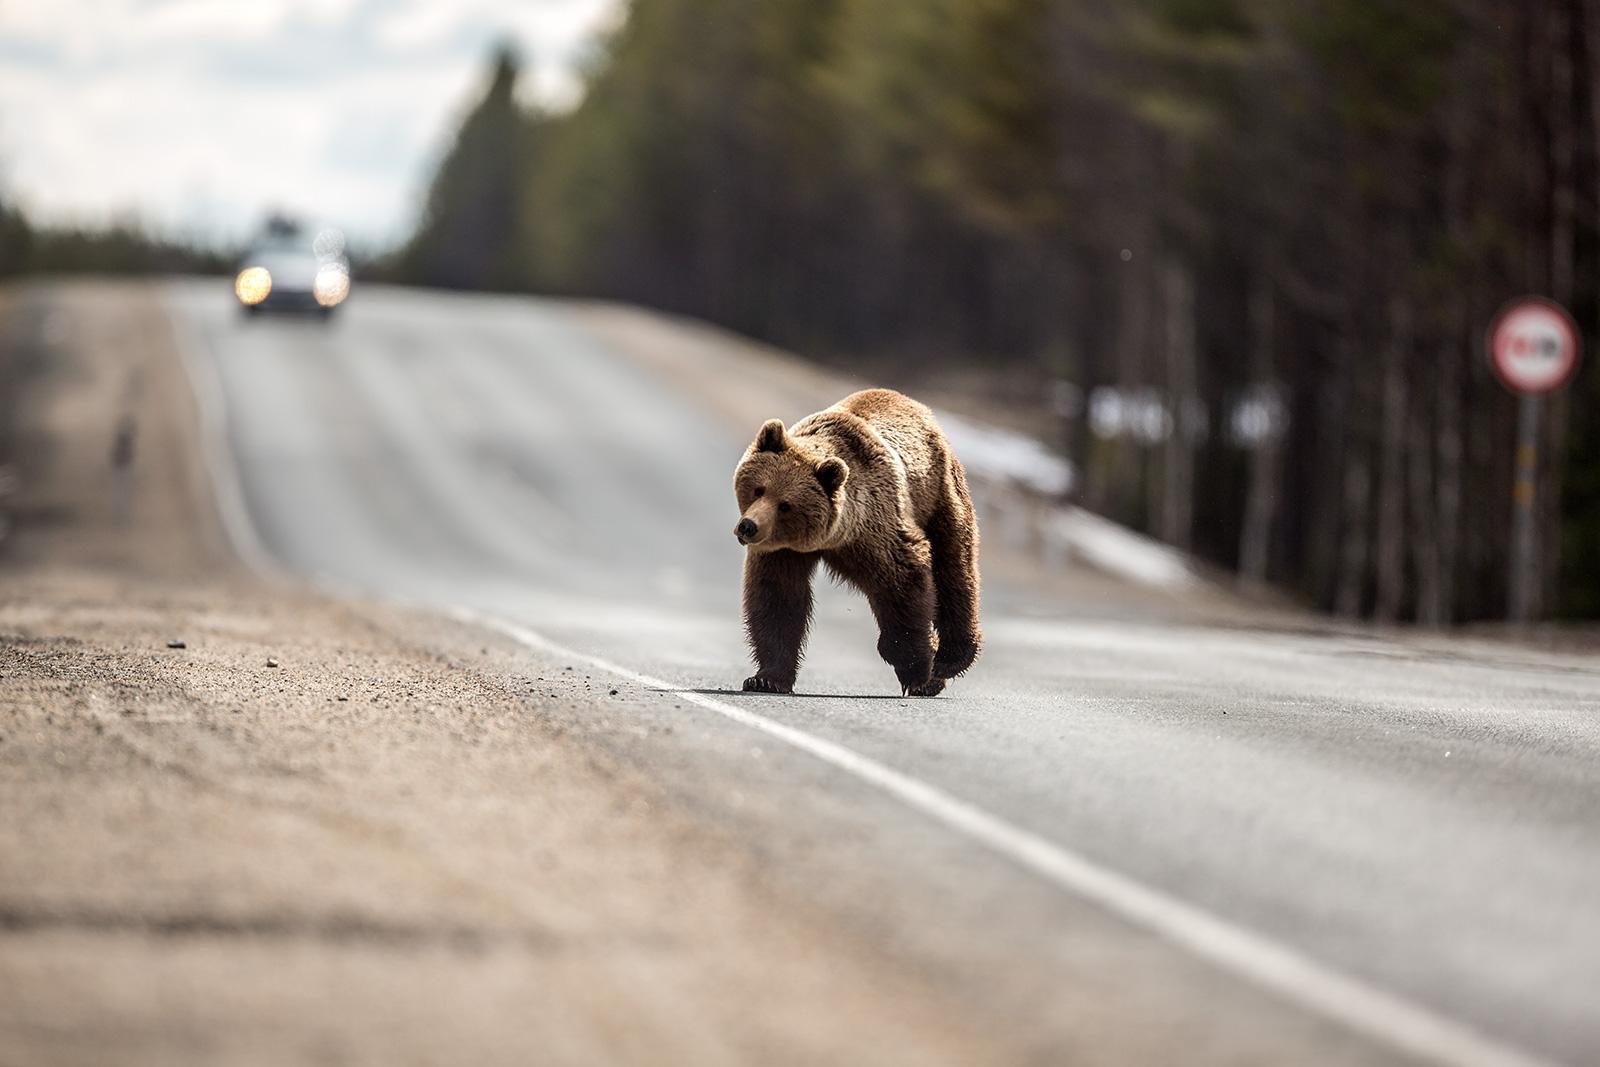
(1247, 248)
(122, 249)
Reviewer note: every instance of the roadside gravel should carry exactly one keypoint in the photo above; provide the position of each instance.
(341, 832)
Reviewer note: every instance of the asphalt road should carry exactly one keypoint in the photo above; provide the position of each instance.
(1397, 840)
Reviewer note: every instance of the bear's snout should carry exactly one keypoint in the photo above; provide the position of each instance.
(746, 531)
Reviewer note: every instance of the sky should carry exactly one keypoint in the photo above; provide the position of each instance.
(196, 117)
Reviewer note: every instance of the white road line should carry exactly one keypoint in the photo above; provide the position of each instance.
(1387, 1019)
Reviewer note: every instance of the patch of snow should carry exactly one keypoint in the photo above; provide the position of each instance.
(1118, 550)
(1003, 456)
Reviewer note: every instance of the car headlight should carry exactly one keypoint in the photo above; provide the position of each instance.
(332, 286)
(252, 285)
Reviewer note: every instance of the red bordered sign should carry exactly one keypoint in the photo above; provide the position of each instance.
(1534, 346)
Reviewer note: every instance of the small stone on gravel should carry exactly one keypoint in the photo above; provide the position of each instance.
(175, 643)
(271, 662)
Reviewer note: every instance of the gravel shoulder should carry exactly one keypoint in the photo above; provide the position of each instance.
(342, 832)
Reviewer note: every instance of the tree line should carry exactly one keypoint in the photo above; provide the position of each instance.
(121, 249)
(1247, 249)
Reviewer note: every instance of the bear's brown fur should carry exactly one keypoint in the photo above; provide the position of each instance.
(870, 489)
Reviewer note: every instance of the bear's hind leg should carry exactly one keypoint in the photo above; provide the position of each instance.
(903, 605)
(953, 537)
(777, 613)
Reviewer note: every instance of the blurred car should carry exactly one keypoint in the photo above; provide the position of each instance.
(286, 271)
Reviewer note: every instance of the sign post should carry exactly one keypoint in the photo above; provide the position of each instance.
(1524, 491)
(1534, 347)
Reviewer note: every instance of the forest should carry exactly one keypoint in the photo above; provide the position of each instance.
(1241, 255)
(117, 249)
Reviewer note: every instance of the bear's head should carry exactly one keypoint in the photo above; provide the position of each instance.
(789, 497)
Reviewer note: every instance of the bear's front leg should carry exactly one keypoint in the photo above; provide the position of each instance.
(777, 613)
(903, 605)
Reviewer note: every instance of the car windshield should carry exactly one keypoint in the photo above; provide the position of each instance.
(292, 243)
(291, 268)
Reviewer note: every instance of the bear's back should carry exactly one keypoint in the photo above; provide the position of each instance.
(909, 428)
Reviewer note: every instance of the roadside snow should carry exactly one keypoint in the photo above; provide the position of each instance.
(1005, 460)
(1002, 456)
(1118, 550)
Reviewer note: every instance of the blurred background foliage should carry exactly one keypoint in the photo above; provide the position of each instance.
(118, 249)
(1237, 256)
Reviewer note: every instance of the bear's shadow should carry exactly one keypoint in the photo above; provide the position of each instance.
(802, 696)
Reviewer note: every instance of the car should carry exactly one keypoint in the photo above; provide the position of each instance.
(285, 271)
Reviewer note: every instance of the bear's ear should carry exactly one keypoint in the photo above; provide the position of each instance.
(772, 438)
(832, 472)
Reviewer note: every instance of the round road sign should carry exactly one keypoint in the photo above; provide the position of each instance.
(1534, 346)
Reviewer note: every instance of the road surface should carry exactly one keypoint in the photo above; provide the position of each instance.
(1384, 848)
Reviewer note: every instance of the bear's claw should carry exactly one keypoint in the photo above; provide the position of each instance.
(757, 684)
(931, 688)
(953, 659)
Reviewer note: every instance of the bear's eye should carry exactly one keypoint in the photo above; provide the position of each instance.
(759, 492)
(783, 506)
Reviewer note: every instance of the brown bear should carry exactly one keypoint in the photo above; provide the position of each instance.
(870, 489)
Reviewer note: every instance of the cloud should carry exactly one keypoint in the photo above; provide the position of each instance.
(200, 115)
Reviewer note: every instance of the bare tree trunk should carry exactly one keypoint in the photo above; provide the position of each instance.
(1437, 600)
(1423, 508)
(1591, 38)
(1332, 406)
(1118, 479)
(1262, 496)
(1177, 468)
(1389, 547)
(1356, 487)
(1449, 450)
(1563, 228)
(1563, 151)
(1353, 547)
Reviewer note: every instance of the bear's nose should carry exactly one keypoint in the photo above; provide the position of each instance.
(745, 531)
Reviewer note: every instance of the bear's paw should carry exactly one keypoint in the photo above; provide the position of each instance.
(757, 684)
(953, 658)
